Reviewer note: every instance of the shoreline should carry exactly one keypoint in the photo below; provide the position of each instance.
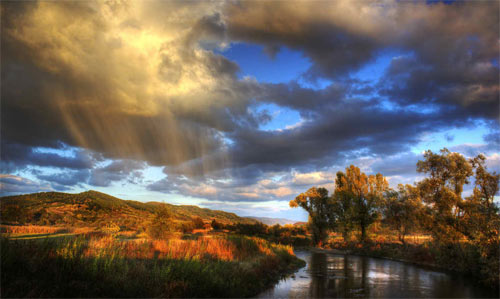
(428, 266)
(350, 252)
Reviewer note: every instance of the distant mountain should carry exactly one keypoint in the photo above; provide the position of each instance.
(272, 221)
(92, 208)
(300, 223)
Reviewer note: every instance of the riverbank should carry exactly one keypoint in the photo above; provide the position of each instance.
(429, 266)
(329, 274)
(102, 266)
(462, 259)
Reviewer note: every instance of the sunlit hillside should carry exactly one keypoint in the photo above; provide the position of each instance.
(97, 209)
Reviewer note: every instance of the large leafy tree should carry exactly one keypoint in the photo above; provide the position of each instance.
(403, 210)
(342, 208)
(481, 221)
(366, 193)
(442, 191)
(317, 203)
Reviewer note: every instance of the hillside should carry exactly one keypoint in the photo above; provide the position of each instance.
(272, 221)
(92, 208)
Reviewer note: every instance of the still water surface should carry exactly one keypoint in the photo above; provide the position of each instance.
(336, 275)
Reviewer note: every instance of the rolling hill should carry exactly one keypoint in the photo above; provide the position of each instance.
(92, 208)
(272, 221)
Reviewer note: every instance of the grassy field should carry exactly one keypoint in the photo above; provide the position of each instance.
(94, 245)
(100, 265)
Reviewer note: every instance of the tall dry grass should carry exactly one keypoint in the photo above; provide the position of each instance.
(103, 266)
(218, 248)
(42, 229)
(32, 229)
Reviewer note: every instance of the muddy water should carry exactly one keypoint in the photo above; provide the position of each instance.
(334, 275)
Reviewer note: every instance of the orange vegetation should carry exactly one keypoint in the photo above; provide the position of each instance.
(32, 229)
(217, 248)
(42, 229)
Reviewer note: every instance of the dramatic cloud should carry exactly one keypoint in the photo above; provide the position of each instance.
(97, 93)
(14, 184)
(117, 171)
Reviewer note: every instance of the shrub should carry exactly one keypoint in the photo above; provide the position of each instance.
(216, 225)
(198, 223)
(110, 228)
(186, 227)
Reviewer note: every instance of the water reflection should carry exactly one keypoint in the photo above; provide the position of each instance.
(334, 275)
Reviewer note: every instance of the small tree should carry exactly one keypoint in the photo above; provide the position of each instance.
(161, 225)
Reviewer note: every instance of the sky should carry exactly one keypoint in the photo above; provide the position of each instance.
(241, 105)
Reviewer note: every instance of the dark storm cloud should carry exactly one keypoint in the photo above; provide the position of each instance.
(11, 184)
(399, 165)
(471, 86)
(450, 57)
(117, 171)
(334, 132)
(18, 156)
(493, 138)
(67, 178)
(294, 96)
(302, 26)
(84, 89)
(141, 84)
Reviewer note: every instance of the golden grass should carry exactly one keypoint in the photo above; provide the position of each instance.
(219, 248)
(32, 229)
(415, 239)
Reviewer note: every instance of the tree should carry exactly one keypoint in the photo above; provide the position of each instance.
(316, 202)
(342, 209)
(481, 218)
(442, 191)
(403, 210)
(366, 194)
(161, 225)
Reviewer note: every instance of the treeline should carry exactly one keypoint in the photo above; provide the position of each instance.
(461, 227)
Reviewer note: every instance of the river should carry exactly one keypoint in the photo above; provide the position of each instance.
(337, 275)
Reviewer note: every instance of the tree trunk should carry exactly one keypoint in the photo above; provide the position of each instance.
(363, 232)
(401, 237)
(346, 235)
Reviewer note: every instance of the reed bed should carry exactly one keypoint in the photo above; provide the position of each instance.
(103, 266)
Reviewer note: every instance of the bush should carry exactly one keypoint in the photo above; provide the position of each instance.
(251, 229)
(198, 223)
(186, 227)
(110, 228)
(216, 225)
